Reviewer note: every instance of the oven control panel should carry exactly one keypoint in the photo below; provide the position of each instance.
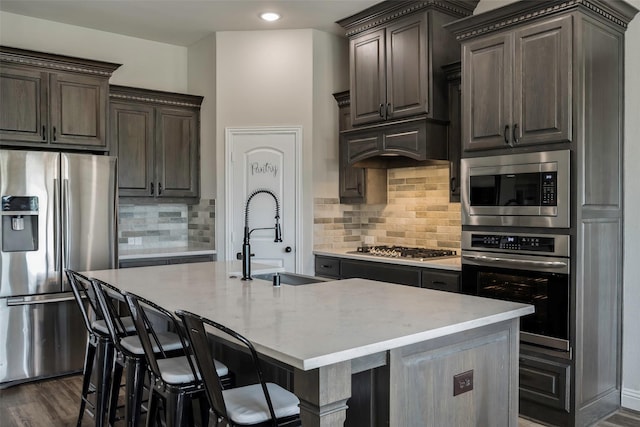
(513, 242)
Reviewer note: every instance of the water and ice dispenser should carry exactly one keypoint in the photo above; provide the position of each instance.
(19, 223)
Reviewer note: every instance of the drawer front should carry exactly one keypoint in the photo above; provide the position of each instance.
(327, 267)
(191, 259)
(441, 281)
(380, 271)
(142, 262)
(544, 381)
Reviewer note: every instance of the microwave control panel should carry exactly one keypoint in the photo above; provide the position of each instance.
(549, 188)
(513, 242)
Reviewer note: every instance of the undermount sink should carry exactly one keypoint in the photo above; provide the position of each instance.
(291, 278)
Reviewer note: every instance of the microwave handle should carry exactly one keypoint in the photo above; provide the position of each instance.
(551, 264)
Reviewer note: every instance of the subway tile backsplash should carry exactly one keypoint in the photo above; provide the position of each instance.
(417, 213)
(166, 225)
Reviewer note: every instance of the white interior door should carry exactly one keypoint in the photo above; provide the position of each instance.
(263, 158)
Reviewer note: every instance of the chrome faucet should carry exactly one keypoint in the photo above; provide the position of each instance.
(246, 246)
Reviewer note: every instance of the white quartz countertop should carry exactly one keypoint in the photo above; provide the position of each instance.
(315, 325)
(446, 263)
(189, 250)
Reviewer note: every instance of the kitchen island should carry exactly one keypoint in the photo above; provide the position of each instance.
(427, 340)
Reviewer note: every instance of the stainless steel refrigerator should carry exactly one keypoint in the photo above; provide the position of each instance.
(58, 212)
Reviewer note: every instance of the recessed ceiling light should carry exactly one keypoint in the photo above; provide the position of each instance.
(270, 16)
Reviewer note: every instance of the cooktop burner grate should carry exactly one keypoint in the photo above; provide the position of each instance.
(405, 252)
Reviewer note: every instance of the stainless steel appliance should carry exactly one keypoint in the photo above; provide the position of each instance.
(404, 252)
(525, 190)
(527, 268)
(58, 212)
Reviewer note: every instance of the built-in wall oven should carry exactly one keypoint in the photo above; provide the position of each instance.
(522, 190)
(527, 268)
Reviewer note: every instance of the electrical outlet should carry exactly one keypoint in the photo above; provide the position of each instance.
(463, 382)
(369, 240)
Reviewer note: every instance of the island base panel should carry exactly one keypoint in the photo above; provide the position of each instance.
(422, 379)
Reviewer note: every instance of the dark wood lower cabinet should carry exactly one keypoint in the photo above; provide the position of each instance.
(148, 262)
(421, 277)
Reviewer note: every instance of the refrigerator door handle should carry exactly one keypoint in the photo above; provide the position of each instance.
(40, 299)
(56, 225)
(65, 223)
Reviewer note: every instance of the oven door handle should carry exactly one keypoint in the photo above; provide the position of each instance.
(548, 264)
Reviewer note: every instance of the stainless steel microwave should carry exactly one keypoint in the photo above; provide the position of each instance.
(523, 190)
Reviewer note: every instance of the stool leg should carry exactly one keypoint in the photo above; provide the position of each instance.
(116, 378)
(136, 369)
(152, 408)
(105, 361)
(90, 354)
(175, 410)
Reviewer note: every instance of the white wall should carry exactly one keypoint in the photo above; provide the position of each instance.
(631, 325)
(202, 81)
(330, 75)
(145, 64)
(280, 78)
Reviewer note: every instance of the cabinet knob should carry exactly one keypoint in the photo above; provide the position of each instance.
(288, 249)
(159, 188)
(151, 192)
(381, 111)
(54, 133)
(44, 133)
(506, 134)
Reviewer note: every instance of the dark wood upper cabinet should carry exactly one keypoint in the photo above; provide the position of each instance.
(517, 86)
(157, 139)
(356, 185)
(399, 99)
(53, 100)
(389, 78)
(454, 72)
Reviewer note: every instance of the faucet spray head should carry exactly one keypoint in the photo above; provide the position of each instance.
(278, 231)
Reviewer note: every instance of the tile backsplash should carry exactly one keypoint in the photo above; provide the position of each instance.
(417, 213)
(166, 225)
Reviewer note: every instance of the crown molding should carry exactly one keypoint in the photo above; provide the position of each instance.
(387, 11)
(617, 13)
(126, 93)
(29, 58)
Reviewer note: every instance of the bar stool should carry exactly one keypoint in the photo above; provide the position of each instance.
(99, 351)
(130, 353)
(261, 404)
(175, 381)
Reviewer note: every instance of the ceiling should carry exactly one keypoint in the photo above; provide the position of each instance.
(183, 22)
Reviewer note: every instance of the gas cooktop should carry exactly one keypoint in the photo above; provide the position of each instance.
(404, 252)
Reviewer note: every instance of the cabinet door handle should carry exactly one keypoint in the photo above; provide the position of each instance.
(387, 111)
(506, 134)
(151, 192)
(380, 112)
(44, 133)
(453, 184)
(54, 133)
(515, 134)
(159, 188)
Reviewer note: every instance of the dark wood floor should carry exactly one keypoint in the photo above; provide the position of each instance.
(54, 403)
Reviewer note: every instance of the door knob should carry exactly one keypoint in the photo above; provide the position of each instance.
(287, 249)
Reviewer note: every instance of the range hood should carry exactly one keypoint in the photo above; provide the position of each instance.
(413, 142)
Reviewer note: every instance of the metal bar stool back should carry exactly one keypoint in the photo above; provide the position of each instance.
(175, 380)
(261, 404)
(99, 351)
(130, 354)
